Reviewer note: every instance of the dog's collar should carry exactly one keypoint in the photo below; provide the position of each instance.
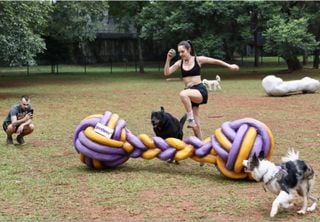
(277, 175)
(261, 178)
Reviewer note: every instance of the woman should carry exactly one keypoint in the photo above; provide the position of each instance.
(195, 93)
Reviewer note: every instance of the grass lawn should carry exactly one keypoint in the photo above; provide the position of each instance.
(45, 180)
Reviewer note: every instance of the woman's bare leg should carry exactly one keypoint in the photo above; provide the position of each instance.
(187, 96)
(197, 130)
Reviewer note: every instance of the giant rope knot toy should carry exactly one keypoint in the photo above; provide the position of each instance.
(103, 141)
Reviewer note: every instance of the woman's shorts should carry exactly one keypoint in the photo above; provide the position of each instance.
(203, 91)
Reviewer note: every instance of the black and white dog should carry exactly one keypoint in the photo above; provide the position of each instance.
(165, 125)
(292, 175)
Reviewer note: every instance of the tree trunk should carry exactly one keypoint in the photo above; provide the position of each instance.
(53, 67)
(316, 52)
(305, 57)
(293, 64)
(140, 55)
(316, 59)
(256, 49)
(228, 55)
(254, 29)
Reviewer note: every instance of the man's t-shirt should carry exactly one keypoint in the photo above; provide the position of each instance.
(18, 112)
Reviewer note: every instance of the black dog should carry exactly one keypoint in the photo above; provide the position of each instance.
(165, 125)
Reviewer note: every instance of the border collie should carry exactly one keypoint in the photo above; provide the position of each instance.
(292, 175)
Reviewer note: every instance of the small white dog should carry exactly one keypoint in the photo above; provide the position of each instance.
(213, 84)
(291, 176)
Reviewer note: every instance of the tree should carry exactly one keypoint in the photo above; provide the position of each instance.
(74, 24)
(77, 21)
(312, 10)
(207, 23)
(289, 38)
(22, 25)
(128, 13)
(253, 17)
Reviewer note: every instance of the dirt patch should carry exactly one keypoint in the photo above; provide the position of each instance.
(59, 187)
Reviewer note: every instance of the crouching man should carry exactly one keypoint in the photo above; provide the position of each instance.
(19, 121)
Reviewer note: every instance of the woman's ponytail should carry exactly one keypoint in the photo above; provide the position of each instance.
(193, 52)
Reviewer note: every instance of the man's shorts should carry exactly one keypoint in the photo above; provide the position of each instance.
(5, 125)
(203, 91)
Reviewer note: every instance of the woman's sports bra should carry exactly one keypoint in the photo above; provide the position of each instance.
(195, 71)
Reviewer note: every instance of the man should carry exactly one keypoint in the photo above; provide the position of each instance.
(19, 121)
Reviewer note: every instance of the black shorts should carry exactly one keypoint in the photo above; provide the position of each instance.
(5, 125)
(203, 91)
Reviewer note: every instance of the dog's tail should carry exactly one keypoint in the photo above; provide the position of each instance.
(291, 156)
(183, 120)
(218, 78)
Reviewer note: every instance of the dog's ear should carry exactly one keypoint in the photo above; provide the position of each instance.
(162, 109)
(254, 157)
(255, 160)
(261, 155)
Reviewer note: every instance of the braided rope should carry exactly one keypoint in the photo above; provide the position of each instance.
(232, 143)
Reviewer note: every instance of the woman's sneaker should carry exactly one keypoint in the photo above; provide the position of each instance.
(191, 123)
(9, 140)
(20, 140)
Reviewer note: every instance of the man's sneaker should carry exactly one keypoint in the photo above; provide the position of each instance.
(9, 140)
(20, 140)
(191, 123)
(201, 164)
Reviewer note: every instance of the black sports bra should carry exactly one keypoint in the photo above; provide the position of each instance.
(195, 71)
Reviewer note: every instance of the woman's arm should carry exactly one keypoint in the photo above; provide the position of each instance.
(208, 60)
(168, 70)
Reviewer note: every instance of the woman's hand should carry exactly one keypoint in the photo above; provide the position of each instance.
(172, 53)
(234, 67)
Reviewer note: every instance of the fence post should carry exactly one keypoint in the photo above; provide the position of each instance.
(110, 65)
(136, 65)
(85, 65)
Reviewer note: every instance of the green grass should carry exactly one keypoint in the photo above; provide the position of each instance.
(45, 180)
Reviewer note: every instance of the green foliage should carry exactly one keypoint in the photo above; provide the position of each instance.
(165, 20)
(21, 27)
(77, 21)
(205, 22)
(288, 38)
(209, 45)
(126, 13)
(217, 28)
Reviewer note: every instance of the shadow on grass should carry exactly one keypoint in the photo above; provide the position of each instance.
(199, 173)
